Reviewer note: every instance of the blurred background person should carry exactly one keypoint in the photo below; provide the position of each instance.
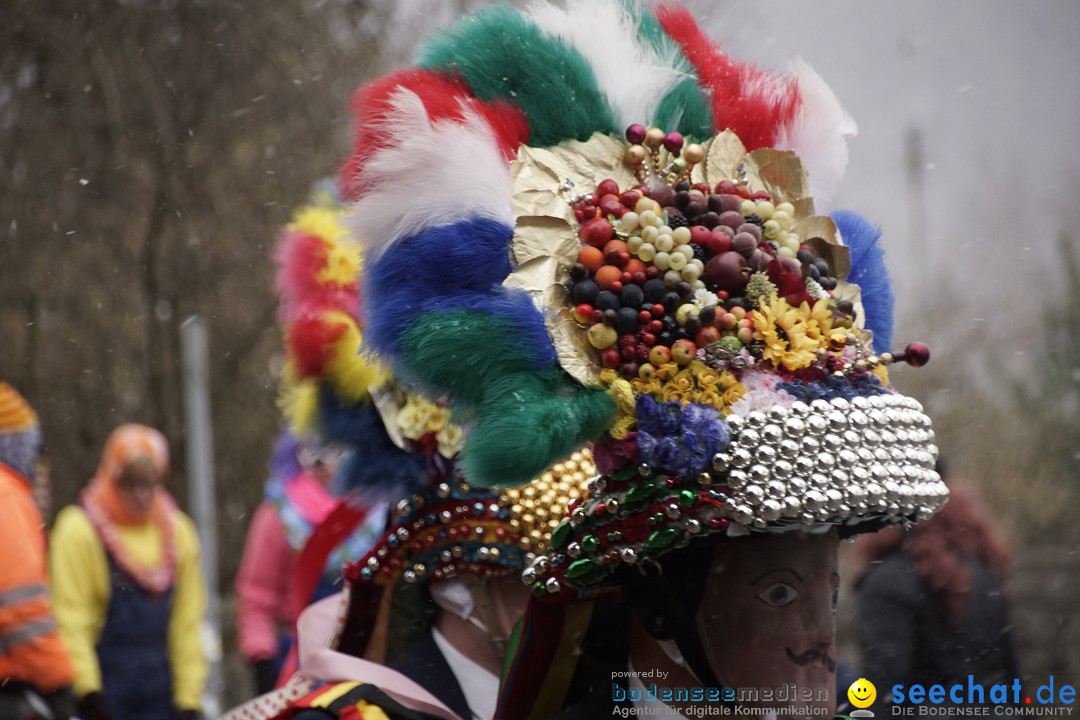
(931, 602)
(129, 595)
(297, 498)
(33, 660)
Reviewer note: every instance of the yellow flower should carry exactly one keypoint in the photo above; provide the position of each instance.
(642, 386)
(412, 419)
(711, 398)
(623, 394)
(608, 376)
(818, 321)
(733, 394)
(782, 329)
(673, 394)
(437, 417)
(707, 378)
(667, 371)
(727, 379)
(682, 381)
(450, 439)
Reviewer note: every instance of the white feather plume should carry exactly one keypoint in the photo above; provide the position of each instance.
(818, 134)
(632, 74)
(429, 174)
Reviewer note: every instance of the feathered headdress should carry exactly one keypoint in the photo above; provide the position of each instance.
(590, 224)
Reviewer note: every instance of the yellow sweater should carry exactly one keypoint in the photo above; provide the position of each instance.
(81, 590)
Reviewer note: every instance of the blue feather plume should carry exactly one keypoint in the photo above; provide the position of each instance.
(868, 271)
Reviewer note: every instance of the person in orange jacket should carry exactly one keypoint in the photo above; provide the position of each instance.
(34, 664)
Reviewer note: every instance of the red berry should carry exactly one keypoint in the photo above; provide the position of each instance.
(726, 187)
(597, 316)
(596, 232)
(612, 207)
(607, 187)
(723, 294)
(718, 242)
(642, 354)
(627, 340)
(644, 316)
(699, 234)
(651, 271)
(626, 278)
(610, 357)
(648, 339)
(579, 214)
(629, 198)
(701, 187)
(639, 277)
(655, 326)
(628, 352)
(616, 287)
(583, 312)
(658, 310)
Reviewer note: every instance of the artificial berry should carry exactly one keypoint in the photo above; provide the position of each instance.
(616, 287)
(596, 232)
(657, 310)
(648, 339)
(627, 341)
(610, 358)
(651, 271)
(597, 316)
(583, 313)
(656, 326)
(626, 278)
(644, 317)
(706, 336)
(590, 258)
(701, 187)
(607, 275)
(635, 134)
(639, 276)
(629, 198)
(607, 187)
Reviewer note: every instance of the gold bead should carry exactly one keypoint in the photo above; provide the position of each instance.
(635, 155)
(654, 137)
(694, 153)
(886, 358)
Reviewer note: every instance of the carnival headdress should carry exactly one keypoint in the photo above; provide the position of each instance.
(590, 224)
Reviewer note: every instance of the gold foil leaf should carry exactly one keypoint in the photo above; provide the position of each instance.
(780, 172)
(722, 157)
(538, 236)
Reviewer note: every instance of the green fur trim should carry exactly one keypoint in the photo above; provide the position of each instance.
(502, 55)
(528, 422)
(686, 110)
(457, 352)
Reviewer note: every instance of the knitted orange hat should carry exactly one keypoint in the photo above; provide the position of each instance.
(20, 432)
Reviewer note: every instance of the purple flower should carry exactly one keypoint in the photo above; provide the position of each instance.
(677, 438)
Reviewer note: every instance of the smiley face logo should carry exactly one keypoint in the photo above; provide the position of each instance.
(862, 693)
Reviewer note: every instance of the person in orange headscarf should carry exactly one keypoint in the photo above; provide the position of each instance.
(128, 592)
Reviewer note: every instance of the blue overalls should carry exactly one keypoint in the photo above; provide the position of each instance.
(133, 651)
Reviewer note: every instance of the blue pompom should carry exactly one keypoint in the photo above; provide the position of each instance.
(868, 271)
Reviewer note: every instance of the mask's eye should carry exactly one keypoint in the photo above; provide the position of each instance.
(778, 595)
(835, 598)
